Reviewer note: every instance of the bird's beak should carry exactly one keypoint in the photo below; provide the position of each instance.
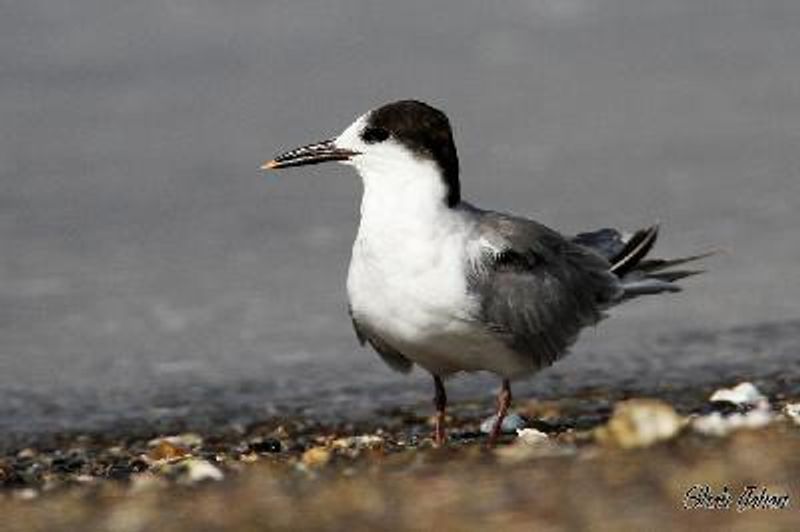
(316, 153)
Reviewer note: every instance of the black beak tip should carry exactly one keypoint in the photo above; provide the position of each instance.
(316, 153)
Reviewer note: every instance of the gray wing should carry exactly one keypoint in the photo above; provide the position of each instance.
(536, 288)
(393, 358)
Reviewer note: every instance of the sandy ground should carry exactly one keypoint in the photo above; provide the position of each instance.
(584, 463)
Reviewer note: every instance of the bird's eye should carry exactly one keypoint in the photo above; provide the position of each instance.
(372, 135)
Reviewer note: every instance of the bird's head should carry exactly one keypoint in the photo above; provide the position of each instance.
(390, 146)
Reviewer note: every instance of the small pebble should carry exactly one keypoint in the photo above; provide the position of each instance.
(316, 457)
(187, 440)
(792, 411)
(6, 471)
(248, 458)
(165, 450)
(26, 494)
(366, 441)
(640, 423)
(266, 445)
(716, 424)
(194, 470)
(118, 471)
(26, 454)
(744, 393)
(531, 436)
(511, 424)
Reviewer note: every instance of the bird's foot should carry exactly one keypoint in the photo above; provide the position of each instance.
(503, 403)
(439, 434)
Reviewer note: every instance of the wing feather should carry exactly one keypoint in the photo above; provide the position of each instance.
(536, 288)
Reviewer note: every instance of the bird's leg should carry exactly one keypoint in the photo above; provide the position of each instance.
(503, 402)
(440, 403)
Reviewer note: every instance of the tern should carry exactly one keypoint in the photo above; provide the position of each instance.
(438, 282)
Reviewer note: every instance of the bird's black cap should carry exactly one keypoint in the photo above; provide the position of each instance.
(422, 129)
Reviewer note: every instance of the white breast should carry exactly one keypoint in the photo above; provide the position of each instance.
(408, 285)
(413, 295)
(407, 281)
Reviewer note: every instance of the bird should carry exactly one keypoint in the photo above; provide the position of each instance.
(440, 283)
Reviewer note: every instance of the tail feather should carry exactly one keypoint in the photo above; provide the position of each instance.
(636, 248)
(654, 265)
(647, 287)
(675, 275)
(638, 274)
(641, 276)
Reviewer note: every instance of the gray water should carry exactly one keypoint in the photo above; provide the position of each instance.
(150, 273)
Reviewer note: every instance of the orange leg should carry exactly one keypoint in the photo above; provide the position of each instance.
(440, 402)
(503, 402)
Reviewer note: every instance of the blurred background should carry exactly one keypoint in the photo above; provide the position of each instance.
(150, 273)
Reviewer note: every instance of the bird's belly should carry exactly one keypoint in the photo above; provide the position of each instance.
(429, 318)
(406, 308)
(468, 351)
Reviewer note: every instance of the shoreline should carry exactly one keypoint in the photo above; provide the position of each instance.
(577, 462)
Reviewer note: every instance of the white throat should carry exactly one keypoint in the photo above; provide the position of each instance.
(404, 190)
